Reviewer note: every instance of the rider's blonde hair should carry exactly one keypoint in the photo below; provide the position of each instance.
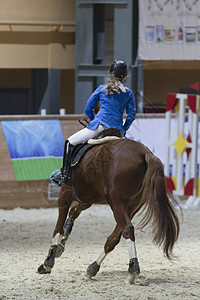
(115, 85)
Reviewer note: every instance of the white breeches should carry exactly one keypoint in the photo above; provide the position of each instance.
(82, 136)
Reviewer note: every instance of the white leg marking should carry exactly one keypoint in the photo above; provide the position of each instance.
(57, 239)
(131, 278)
(101, 257)
(131, 249)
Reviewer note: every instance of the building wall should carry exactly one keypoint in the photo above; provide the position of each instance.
(67, 90)
(15, 78)
(37, 34)
(162, 77)
(40, 34)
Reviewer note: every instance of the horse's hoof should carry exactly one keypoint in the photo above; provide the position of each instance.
(132, 277)
(93, 269)
(44, 270)
(134, 270)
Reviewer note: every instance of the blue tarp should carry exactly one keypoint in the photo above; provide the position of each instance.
(33, 138)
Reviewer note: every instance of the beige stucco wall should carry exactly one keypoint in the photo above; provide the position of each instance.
(38, 9)
(37, 34)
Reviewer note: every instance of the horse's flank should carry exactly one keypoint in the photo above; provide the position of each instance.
(125, 172)
(118, 165)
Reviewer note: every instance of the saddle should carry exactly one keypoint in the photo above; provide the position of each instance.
(78, 152)
(104, 136)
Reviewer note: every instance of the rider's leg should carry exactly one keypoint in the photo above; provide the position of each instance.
(82, 136)
(59, 177)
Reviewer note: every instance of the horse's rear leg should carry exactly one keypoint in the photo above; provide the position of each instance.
(110, 244)
(134, 268)
(122, 213)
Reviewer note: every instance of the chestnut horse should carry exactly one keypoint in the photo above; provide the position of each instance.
(128, 176)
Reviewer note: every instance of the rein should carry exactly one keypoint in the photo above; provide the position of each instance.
(83, 122)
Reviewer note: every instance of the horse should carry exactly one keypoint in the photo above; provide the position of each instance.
(127, 176)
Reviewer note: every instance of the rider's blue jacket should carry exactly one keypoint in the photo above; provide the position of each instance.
(112, 107)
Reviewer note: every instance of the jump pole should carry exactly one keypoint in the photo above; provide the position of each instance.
(183, 106)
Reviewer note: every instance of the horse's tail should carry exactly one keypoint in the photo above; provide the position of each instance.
(159, 210)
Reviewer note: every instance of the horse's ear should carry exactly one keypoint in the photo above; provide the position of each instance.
(96, 109)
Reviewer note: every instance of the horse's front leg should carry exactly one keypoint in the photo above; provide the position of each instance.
(62, 230)
(110, 244)
(61, 240)
(64, 202)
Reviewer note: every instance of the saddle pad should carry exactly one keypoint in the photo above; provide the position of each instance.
(78, 152)
(102, 140)
(108, 134)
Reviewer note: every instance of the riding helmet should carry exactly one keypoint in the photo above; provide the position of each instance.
(119, 68)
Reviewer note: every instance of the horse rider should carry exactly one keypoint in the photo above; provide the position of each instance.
(114, 98)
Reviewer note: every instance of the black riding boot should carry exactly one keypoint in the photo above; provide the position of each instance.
(61, 177)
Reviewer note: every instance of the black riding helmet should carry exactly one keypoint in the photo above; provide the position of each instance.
(119, 68)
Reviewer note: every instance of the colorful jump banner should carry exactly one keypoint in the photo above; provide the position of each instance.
(169, 30)
(35, 147)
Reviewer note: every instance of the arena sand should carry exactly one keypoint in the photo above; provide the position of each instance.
(26, 237)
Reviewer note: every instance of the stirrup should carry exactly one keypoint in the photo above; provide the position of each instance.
(54, 177)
